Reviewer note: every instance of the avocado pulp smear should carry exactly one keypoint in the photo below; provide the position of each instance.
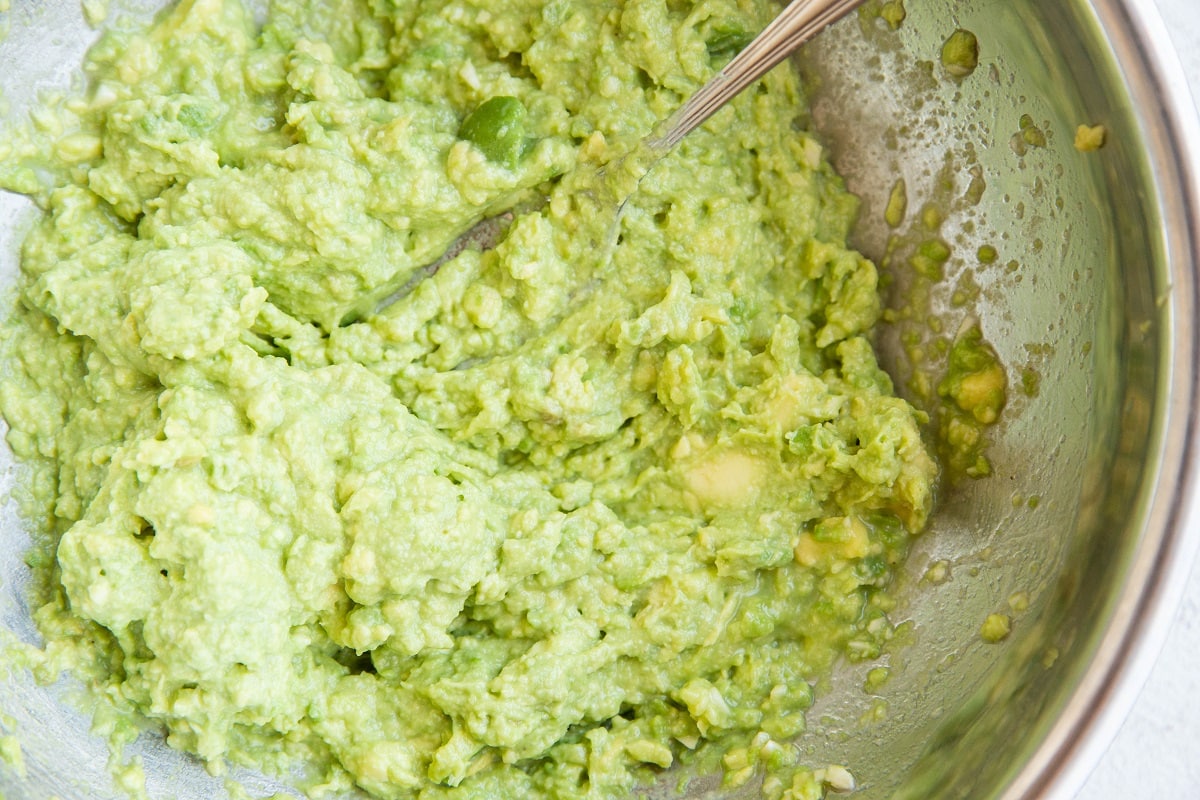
(545, 526)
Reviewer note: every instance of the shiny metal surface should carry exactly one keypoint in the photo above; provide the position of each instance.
(1109, 443)
(1168, 545)
(1099, 308)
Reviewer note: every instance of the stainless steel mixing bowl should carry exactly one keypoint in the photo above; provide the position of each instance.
(1091, 305)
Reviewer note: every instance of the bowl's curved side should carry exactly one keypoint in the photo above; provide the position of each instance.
(1170, 536)
(1097, 304)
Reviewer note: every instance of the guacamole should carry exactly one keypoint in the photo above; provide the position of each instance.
(560, 517)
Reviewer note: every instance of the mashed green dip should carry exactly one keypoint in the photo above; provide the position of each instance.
(547, 525)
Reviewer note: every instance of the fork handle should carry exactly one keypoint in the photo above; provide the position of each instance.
(796, 24)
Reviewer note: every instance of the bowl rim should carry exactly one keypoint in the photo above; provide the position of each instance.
(1170, 538)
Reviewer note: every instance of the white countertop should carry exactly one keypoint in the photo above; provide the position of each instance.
(1156, 753)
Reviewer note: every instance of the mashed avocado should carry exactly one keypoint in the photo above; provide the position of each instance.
(548, 524)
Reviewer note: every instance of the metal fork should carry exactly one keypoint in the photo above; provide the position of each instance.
(799, 21)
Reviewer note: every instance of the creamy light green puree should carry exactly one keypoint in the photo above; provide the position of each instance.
(548, 524)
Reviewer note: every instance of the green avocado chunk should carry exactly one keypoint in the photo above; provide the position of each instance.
(497, 127)
(960, 53)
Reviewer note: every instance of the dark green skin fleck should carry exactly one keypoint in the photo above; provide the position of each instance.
(726, 39)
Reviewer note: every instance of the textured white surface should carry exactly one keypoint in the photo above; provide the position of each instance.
(1156, 753)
